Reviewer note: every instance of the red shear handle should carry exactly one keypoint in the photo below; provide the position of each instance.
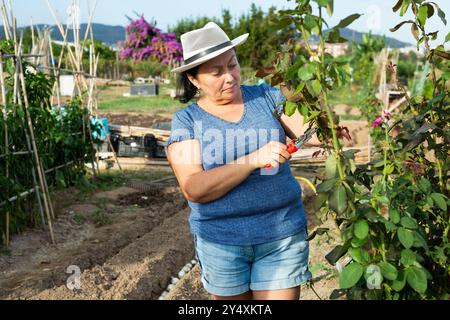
(291, 149)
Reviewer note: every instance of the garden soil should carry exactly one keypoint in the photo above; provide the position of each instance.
(128, 244)
(123, 244)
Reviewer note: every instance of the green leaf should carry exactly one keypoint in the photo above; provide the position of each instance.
(350, 275)
(424, 185)
(409, 223)
(429, 201)
(290, 108)
(439, 200)
(441, 13)
(398, 26)
(356, 242)
(405, 7)
(388, 169)
(447, 37)
(397, 5)
(299, 88)
(433, 35)
(320, 200)
(330, 8)
(430, 9)
(334, 36)
(312, 115)
(303, 109)
(331, 167)
(407, 257)
(359, 255)
(441, 54)
(400, 282)
(350, 154)
(327, 185)
(415, 31)
(338, 199)
(394, 216)
(361, 229)
(422, 15)
(428, 89)
(406, 237)
(348, 20)
(309, 22)
(417, 279)
(306, 72)
(383, 199)
(388, 270)
(419, 241)
(322, 3)
(316, 86)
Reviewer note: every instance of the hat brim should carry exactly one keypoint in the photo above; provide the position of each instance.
(235, 42)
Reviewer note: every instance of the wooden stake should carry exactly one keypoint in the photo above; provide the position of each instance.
(33, 141)
(55, 73)
(3, 93)
(6, 24)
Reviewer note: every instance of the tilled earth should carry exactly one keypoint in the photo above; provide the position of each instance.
(122, 244)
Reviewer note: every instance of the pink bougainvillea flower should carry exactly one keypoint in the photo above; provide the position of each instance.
(377, 122)
(145, 41)
(386, 114)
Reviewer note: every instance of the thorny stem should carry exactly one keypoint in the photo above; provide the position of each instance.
(308, 47)
(336, 145)
(385, 152)
(433, 75)
(427, 45)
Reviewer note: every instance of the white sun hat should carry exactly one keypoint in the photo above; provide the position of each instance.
(203, 44)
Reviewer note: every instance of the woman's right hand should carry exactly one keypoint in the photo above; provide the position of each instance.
(273, 153)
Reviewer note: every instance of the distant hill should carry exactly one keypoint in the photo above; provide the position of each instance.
(353, 35)
(104, 33)
(113, 34)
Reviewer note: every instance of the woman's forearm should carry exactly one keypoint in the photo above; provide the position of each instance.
(210, 185)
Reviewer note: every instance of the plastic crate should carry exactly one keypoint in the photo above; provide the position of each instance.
(103, 147)
(160, 150)
(150, 142)
(132, 150)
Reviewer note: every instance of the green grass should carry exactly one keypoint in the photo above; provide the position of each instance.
(100, 218)
(158, 104)
(342, 95)
(111, 99)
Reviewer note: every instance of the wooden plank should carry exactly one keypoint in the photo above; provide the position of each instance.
(127, 131)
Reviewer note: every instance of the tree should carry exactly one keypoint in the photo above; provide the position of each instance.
(263, 42)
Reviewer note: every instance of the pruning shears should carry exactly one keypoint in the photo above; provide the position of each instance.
(296, 144)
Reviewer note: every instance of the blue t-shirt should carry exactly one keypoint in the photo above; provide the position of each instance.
(267, 205)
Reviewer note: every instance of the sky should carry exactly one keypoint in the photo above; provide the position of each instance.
(378, 16)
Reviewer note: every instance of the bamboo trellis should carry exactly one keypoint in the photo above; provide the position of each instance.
(41, 54)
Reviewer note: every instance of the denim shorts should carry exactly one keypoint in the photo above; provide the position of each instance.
(229, 270)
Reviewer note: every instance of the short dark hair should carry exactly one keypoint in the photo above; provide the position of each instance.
(185, 88)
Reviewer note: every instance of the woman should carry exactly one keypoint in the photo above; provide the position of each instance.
(248, 221)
